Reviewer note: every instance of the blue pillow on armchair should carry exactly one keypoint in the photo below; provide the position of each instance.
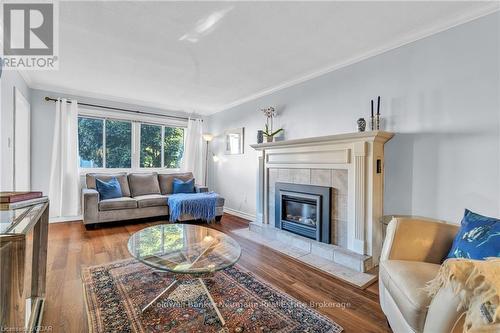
(180, 186)
(477, 238)
(108, 190)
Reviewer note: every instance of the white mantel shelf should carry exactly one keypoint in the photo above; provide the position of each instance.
(361, 154)
(378, 136)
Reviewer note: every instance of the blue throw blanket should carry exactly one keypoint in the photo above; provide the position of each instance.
(199, 205)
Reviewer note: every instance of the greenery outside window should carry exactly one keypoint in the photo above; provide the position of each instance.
(125, 144)
(91, 142)
(161, 146)
(118, 144)
(104, 143)
(173, 147)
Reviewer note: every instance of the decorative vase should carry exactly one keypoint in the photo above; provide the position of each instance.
(269, 138)
(260, 136)
(361, 124)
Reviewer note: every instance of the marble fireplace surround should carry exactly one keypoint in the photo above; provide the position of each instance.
(352, 164)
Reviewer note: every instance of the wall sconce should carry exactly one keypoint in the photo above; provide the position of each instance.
(215, 158)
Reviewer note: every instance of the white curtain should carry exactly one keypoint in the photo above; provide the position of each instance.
(64, 187)
(192, 161)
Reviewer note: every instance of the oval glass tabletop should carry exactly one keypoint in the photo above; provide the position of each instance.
(184, 248)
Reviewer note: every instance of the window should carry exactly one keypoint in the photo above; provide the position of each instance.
(95, 134)
(150, 146)
(112, 143)
(161, 146)
(118, 144)
(90, 142)
(173, 146)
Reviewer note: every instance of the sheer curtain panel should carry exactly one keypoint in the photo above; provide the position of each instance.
(192, 161)
(64, 187)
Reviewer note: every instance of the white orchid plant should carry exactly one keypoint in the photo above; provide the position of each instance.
(270, 113)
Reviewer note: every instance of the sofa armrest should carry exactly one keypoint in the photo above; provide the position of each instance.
(417, 239)
(200, 188)
(90, 202)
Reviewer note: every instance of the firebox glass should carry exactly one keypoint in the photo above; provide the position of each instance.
(299, 210)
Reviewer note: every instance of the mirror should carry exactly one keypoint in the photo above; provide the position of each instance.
(234, 141)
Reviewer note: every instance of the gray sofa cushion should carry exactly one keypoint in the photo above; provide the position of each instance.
(121, 177)
(151, 200)
(117, 203)
(143, 183)
(166, 181)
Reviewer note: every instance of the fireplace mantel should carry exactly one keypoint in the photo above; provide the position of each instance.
(378, 136)
(361, 154)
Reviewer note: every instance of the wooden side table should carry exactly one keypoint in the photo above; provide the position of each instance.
(23, 262)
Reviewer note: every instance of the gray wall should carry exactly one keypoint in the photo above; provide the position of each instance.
(9, 80)
(43, 117)
(440, 95)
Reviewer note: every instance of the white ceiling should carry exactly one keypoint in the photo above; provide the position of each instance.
(208, 56)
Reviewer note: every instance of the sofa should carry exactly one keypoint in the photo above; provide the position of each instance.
(144, 195)
(411, 256)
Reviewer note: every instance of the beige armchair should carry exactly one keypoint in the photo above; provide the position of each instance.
(411, 256)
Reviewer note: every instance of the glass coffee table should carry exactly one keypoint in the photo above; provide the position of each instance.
(189, 251)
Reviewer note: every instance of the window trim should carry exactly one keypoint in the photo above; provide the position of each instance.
(136, 122)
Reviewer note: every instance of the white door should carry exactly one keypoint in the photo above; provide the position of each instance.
(22, 148)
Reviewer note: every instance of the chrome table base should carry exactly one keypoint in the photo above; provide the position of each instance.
(174, 285)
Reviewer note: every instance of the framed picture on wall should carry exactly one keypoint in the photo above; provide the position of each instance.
(234, 141)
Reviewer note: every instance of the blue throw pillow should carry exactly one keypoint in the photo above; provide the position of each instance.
(108, 190)
(181, 186)
(477, 238)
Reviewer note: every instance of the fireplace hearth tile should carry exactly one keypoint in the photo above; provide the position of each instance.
(292, 251)
(296, 242)
(322, 251)
(342, 259)
(314, 260)
(335, 254)
(259, 233)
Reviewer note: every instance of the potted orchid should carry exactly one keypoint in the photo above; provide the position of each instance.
(269, 133)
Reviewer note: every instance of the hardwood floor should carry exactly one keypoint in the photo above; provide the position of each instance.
(71, 247)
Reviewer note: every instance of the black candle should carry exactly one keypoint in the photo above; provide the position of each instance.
(378, 106)
(372, 108)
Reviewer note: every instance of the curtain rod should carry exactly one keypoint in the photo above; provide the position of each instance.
(51, 99)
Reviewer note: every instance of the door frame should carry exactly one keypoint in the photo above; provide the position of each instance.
(19, 94)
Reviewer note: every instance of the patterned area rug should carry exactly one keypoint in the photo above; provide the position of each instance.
(116, 292)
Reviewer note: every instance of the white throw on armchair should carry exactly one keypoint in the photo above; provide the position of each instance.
(411, 256)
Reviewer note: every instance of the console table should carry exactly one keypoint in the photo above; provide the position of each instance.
(23, 262)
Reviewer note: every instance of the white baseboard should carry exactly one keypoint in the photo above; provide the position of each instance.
(238, 213)
(61, 219)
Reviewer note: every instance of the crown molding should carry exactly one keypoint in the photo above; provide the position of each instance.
(488, 9)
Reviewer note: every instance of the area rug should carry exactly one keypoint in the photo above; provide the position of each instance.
(116, 292)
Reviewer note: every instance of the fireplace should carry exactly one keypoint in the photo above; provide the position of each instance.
(304, 210)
